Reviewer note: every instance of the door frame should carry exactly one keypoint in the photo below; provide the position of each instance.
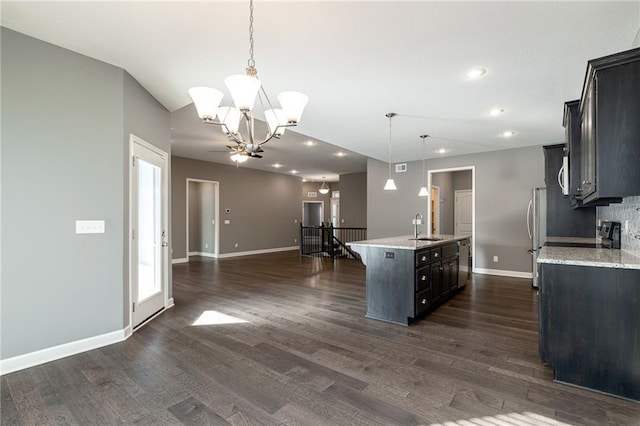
(436, 224)
(133, 140)
(473, 204)
(321, 210)
(216, 215)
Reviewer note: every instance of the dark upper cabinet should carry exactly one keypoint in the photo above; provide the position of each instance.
(562, 219)
(571, 123)
(610, 128)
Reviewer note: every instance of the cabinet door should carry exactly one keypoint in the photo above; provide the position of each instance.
(436, 281)
(588, 142)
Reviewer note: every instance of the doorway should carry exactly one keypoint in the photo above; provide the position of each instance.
(312, 213)
(335, 212)
(202, 218)
(449, 182)
(434, 215)
(148, 245)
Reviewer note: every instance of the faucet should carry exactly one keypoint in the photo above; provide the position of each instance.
(416, 222)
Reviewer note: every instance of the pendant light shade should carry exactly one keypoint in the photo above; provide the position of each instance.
(423, 192)
(293, 104)
(230, 117)
(243, 89)
(206, 100)
(390, 185)
(275, 118)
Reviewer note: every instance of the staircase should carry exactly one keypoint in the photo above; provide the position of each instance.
(327, 241)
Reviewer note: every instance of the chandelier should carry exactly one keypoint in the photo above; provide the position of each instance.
(244, 89)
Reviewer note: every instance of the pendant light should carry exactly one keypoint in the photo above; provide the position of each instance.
(390, 185)
(424, 192)
(324, 189)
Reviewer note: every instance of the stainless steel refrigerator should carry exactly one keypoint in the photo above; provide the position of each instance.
(537, 226)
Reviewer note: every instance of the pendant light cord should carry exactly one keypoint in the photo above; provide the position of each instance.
(390, 115)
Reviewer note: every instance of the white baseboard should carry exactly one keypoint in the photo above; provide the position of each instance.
(252, 252)
(179, 260)
(202, 253)
(53, 353)
(170, 303)
(503, 273)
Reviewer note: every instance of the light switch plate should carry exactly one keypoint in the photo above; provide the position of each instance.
(227, 221)
(89, 226)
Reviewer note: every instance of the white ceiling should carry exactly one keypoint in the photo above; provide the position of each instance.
(356, 61)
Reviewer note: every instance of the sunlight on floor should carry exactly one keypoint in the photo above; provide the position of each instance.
(511, 419)
(216, 318)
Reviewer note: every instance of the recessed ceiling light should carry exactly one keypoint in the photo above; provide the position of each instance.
(340, 154)
(309, 143)
(442, 151)
(474, 73)
(507, 134)
(277, 165)
(496, 111)
(294, 171)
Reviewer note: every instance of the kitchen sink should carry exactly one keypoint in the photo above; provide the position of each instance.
(426, 239)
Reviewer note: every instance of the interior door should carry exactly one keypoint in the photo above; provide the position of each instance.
(463, 211)
(149, 239)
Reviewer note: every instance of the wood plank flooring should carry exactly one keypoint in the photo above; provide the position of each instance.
(296, 349)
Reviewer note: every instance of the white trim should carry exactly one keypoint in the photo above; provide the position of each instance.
(252, 252)
(53, 353)
(179, 260)
(503, 273)
(202, 253)
(170, 303)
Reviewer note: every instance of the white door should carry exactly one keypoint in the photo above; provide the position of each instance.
(463, 211)
(335, 212)
(149, 238)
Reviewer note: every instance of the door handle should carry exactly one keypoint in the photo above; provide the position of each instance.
(529, 219)
(165, 244)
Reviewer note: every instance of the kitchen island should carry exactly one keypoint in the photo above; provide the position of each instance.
(408, 277)
(590, 318)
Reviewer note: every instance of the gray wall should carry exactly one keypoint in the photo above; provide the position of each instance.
(263, 206)
(504, 180)
(353, 200)
(462, 180)
(64, 158)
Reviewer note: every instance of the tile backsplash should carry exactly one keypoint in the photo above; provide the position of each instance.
(628, 210)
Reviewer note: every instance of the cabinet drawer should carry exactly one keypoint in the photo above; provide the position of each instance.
(436, 253)
(450, 250)
(422, 278)
(422, 258)
(423, 300)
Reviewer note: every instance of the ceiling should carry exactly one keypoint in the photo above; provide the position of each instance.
(356, 61)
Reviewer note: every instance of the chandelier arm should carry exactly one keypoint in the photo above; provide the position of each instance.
(249, 122)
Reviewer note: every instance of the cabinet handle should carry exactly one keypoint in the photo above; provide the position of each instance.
(579, 189)
(435, 254)
(424, 258)
(423, 278)
(441, 268)
(424, 301)
(586, 182)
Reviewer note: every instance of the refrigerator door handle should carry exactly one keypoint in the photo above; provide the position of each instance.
(529, 219)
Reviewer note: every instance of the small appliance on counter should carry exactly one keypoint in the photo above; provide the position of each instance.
(610, 233)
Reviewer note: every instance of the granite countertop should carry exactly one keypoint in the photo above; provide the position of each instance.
(407, 243)
(597, 257)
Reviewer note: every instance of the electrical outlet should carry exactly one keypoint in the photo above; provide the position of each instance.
(295, 220)
(236, 245)
(89, 226)
(495, 259)
(295, 240)
(206, 246)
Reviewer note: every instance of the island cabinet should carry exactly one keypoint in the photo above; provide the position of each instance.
(610, 128)
(403, 285)
(590, 326)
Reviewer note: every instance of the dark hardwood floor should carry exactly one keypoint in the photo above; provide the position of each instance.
(288, 344)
